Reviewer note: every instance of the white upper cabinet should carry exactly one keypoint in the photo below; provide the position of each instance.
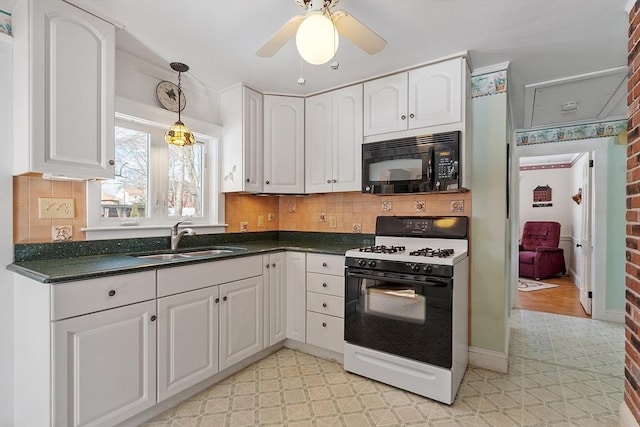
(64, 68)
(283, 144)
(424, 97)
(333, 141)
(242, 156)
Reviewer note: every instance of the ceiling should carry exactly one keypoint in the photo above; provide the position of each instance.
(544, 40)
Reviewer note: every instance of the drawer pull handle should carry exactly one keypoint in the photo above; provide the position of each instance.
(153, 318)
(324, 264)
(112, 293)
(217, 300)
(224, 298)
(324, 285)
(324, 304)
(324, 325)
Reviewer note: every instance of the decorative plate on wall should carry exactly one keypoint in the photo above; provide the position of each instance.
(167, 94)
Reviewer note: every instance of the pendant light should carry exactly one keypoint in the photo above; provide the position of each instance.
(179, 134)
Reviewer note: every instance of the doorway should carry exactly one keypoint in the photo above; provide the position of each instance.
(605, 276)
(556, 189)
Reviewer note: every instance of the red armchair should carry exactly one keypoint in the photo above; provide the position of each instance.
(540, 256)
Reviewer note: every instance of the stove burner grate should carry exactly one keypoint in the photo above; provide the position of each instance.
(382, 249)
(428, 252)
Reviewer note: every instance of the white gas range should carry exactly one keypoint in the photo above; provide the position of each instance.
(406, 305)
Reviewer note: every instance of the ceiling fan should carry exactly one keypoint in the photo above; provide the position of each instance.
(339, 22)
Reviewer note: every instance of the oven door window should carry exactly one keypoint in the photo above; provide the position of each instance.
(395, 302)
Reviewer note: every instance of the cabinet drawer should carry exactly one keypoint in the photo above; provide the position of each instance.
(87, 296)
(325, 331)
(190, 277)
(325, 304)
(325, 284)
(325, 264)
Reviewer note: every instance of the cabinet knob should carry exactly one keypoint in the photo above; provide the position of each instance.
(324, 304)
(411, 116)
(324, 285)
(153, 318)
(111, 162)
(267, 182)
(217, 300)
(324, 325)
(273, 265)
(334, 181)
(578, 245)
(224, 298)
(328, 181)
(324, 264)
(267, 265)
(112, 293)
(403, 117)
(248, 180)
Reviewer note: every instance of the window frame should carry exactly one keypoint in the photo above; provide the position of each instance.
(142, 117)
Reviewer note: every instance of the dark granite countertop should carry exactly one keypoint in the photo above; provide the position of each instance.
(39, 262)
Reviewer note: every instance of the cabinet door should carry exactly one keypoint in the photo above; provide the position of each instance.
(385, 104)
(72, 91)
(104, 365)
(319, 143)
(435, 94)
(283, 144)
(325, 331)
(347, 139)
(240, 320)
(252, 127)
(277, 298)
(187, 340)
(296, 296)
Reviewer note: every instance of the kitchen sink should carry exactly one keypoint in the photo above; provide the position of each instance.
(163, 256)
(208, 252)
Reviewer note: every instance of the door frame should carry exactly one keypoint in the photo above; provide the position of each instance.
(599, 213)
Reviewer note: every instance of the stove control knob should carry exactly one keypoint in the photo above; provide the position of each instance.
(372, 263)
(414, 267)
(362, 263)
(428, 268)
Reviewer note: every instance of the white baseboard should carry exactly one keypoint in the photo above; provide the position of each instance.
(489, 359)
(612, 316)
(626, 417)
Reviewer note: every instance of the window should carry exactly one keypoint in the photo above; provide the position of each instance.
(155, 184)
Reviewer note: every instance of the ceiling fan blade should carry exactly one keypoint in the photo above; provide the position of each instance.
(281, 37)
(357, 33)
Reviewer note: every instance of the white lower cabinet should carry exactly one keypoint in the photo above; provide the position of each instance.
(104, 366)
(325, 331)
(187, 340)
(296, 296)
(240, 320)
(275, 299)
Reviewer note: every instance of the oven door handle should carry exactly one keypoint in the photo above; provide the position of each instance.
(430, 282)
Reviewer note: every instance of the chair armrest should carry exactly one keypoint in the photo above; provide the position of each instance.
(548, 249)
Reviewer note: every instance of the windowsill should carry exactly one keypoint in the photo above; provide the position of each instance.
(133, 230)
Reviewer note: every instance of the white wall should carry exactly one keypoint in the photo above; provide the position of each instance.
(560, 182)
(6, 235)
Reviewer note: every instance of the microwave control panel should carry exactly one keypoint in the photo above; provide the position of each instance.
(446, 170)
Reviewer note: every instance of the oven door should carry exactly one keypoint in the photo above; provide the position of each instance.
(402, 314)
(387, 169)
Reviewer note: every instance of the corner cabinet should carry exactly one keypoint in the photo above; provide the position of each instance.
(274, 274)
(283, 144)
(64, 71)
(423, 97)
(242, 156)
(333, 139)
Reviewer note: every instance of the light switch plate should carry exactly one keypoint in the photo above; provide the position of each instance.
(333, 222)
(260, 221)
(56, 208)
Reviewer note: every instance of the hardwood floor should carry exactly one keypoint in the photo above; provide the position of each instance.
(565, 299)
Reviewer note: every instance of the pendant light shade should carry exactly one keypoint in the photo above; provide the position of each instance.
(179, 134)
(317, 38)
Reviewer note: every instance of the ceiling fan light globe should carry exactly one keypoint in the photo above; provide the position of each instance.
(317, 38)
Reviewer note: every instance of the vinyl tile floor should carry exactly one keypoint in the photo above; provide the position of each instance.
(563, 371)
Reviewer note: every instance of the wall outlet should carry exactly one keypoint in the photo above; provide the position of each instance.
(260, 221)
(55, 208)
(333, 222)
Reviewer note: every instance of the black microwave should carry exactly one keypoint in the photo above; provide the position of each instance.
(419, 164)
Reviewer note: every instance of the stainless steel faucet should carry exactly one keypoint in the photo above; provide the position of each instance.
(176, 236)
